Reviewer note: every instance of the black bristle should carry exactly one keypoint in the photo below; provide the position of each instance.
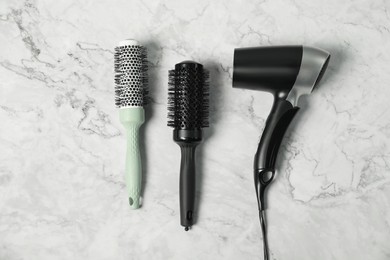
(131, 80)
(188, 96)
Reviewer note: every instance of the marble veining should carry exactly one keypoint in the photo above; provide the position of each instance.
(62, 191)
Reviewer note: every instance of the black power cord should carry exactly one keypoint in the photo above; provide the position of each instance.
(264, 233)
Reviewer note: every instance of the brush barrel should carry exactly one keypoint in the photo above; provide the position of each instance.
(132, 118)
(187, 140)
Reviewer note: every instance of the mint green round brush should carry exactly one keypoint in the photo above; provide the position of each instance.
(130, 97)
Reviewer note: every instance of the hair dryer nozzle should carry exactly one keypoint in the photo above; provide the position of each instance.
(313, 66)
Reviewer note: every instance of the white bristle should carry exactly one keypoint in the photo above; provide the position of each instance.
(130, 74)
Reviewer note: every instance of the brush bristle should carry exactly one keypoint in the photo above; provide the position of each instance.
(131, 79)
(188, 96)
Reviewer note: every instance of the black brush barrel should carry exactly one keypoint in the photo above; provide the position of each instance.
(188, 96)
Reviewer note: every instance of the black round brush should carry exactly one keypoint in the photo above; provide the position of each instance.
(188, 114)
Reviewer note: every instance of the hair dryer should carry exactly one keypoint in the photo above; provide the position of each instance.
(288, 72)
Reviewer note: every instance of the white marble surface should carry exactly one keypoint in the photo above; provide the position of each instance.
(62, 192)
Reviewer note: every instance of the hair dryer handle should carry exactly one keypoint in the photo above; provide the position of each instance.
(277, 123)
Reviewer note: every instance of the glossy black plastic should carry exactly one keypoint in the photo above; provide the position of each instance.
(187, 140)
(273, 69)
(282, 113)
(280, 70)
(188, 114)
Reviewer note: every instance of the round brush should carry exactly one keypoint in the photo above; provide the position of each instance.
(187, 114)
(130, 97)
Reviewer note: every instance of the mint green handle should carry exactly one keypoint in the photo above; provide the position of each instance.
(132, 118)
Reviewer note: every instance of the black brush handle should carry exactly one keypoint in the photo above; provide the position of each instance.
(282, 113)
(187, 140)
(187, 184)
